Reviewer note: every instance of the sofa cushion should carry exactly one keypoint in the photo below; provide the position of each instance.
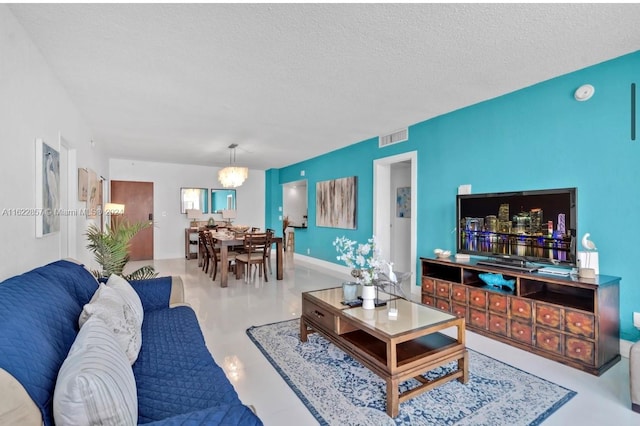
(154, 293)
(95, 384)
(128, 294)
(37, 332)
(175, 372)
(108, 305)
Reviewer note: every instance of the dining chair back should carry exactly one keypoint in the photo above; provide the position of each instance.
(214, 253)
(204, 252)
(256, 247)
(270, 232)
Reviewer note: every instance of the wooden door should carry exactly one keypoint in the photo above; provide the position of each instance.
(137, 198)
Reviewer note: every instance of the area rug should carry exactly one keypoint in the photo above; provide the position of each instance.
(338, 390)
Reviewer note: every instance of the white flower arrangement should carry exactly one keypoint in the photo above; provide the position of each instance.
(365, 259)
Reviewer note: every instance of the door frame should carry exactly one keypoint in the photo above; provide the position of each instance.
(68, 222)
(382, 209)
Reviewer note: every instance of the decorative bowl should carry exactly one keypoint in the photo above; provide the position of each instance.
(442, 254)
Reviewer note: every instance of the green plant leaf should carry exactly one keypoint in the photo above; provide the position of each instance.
(111, 247)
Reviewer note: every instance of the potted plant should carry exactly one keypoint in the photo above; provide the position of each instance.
(111, 249)
(365, 261)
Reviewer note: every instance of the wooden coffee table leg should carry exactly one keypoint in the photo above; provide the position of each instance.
(463, 365)
(392, 397)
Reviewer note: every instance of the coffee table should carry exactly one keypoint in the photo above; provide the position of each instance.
(396, 349)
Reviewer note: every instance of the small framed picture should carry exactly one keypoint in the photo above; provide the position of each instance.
(403, 202)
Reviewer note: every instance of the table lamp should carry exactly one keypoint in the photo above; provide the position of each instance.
(228, 215)
(194, 215)
(113, 210)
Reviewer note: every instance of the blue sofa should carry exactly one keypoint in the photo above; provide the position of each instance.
(177, 380)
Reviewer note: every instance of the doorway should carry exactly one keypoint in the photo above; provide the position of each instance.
(396, 237)
(137, 198)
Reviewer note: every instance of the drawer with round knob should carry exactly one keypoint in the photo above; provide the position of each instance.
(478, 298)
(522, 332)
(520, 308)
(579, 323)
(549, 316)
(459, 310)
(442, 289)
(579, 349)
(498, 324)
(428, 285)
(498, 303)
(459, 293)
(549, 340)
(428, 300)
(443, 304)
(478, 318)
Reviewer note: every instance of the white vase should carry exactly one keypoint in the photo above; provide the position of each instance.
(368, 296)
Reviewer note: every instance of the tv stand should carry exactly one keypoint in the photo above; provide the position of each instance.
(572, 320)
(516, 264)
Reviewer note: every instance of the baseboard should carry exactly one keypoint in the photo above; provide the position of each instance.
(625, 347)
(323, 264)
(339, 271)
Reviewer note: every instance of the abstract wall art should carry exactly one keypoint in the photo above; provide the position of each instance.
(336, 203)
(403, 202)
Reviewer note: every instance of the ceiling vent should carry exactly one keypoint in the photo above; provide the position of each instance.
(395, 137)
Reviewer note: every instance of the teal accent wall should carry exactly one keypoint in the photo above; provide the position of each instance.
(538, 137)
(273, 200)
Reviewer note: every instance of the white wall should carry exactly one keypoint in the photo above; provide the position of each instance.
(400, 226)
(33, 104)
(294, 202)
(167, 178)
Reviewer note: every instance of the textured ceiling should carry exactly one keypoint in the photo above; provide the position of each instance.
(180, 82)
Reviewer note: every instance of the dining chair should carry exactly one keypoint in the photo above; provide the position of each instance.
(204, 252)
(214, 253)
(270, 232)
(255, 254)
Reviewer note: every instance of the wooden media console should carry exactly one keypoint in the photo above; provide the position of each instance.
(571, 320)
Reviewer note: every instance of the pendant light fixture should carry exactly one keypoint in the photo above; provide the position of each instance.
(233, 176)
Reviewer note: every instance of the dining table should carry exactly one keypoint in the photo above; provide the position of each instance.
(226, 241)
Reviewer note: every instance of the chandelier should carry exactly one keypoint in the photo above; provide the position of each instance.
(232, 176)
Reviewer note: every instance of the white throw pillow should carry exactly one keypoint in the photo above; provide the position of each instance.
(95, 384)
(128, 294)
(110, 306)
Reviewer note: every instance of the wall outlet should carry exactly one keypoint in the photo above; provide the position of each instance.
(636, 319)
(309, 252)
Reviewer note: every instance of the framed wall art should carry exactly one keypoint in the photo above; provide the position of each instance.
(83, 184)
(93, 193)
(336, 203)
(403, 202)
(47, 189)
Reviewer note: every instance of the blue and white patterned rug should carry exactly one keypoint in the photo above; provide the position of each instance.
(338, 390)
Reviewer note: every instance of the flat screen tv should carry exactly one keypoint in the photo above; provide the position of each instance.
(527, 226)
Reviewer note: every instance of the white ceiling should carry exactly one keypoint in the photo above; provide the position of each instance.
(180, 82)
